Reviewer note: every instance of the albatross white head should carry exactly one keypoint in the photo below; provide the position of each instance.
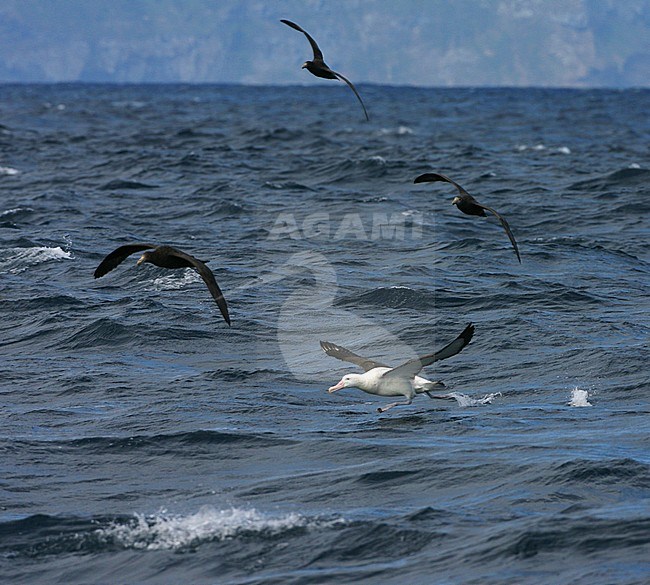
(347, 381)
(456, 200)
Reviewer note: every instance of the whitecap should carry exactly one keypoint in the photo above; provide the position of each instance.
(464, 400)
(165, 531)
(579, 398)
(38, 255)
(8, 171)
(18, 259)
(634, 166)
(14, 210)
(399, 131)
(173, 282)
(541, 147)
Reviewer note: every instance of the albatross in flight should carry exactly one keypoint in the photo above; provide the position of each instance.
(165, 257)
(468, 205)
(403, 380)
(319, 68)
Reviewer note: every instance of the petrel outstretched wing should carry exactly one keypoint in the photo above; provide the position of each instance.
(117, 256)
(208, 278)
(318, 55)
(354, 89)
(506, 227)
(434, 177)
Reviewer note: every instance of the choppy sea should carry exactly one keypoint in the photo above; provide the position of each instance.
(142, 440)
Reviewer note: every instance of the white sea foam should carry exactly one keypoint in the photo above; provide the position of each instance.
(464, 400)
(173, 282)
(165, 531)
(14, 210)
(541, 147)
(8, 171)
(579, 398)
(18, 259)
(634, 166)
(399, 131)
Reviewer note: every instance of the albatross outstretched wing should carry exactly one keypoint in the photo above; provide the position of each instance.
(343, 354)
(410, 368)
(117, 256)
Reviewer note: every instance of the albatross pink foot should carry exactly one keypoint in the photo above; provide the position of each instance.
(392, 404)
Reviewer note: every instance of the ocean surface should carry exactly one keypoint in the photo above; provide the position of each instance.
(145, 441)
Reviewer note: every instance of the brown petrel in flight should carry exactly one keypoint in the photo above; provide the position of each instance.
(467, 204)
(319, 68)
(165, 257)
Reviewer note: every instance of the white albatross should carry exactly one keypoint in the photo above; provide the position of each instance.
(403, 380)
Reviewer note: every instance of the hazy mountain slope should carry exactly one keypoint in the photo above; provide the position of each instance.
(421, 42)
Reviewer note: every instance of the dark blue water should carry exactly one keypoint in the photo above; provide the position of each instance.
(144, 441)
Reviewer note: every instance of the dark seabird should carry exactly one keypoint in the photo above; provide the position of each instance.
(165, 257)
(403, 380)
(319, 68)
(467, 204)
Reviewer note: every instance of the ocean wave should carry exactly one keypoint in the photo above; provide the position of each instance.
(279, 134)
(48, 535)
(464, 400)
(174, 282)
(165, 531)
(227, 209)
(8, 171)
(628, 472)
(287, 186)
(392, 297)
(120, 184)
(396, 131)
(16, 211)
(372, 167)
(102, 332)
(239, 375)
(19, 259)
(587, 535)
(623, 177)
(175, 441)
(542, 147)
